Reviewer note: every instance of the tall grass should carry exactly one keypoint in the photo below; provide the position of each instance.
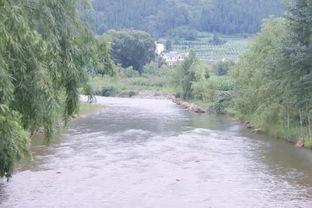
(129, 83)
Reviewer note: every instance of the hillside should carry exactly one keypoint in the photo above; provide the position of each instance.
(160, 17)
(210, 53)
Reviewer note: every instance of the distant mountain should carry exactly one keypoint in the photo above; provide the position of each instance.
(161, 17)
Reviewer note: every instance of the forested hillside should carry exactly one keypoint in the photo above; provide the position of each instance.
(161, 17)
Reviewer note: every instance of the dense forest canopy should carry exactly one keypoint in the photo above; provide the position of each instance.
(160, 17)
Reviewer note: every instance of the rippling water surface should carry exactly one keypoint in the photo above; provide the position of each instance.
(145, 153)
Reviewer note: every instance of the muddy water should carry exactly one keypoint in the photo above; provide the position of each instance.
(144, 153)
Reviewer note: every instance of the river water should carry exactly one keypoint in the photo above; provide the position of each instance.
(148, 153)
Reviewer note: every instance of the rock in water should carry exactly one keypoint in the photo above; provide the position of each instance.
(257, 131)
(300, 143)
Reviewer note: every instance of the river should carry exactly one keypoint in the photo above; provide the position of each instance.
(149, 153)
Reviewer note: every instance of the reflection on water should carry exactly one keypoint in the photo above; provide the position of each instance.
(151, 153)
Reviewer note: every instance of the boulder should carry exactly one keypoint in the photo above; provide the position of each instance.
(199, 110)
(300, 143)
(187, 105)
(249, 126)
(258, 131)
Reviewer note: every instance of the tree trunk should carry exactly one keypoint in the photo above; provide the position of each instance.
(288, 121)
(301, 122)
(309, 125)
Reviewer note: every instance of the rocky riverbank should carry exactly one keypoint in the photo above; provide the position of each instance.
(298, 142)
(254, 129)
(188, 105)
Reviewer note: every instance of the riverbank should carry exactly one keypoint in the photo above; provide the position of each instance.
(152, 146)
(254, 128)
(85, 109)
(159, 85)
(188, 105)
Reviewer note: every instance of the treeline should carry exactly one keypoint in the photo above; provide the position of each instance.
(161, 18)
(273, 80)
(271, 85)
(45, 54)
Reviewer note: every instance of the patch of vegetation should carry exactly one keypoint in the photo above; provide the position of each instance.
(199, 83)
(160, 18)
(131, 48)
(308, 142)
(129, 82)
(230, 49)
(216, 40)
(44, 62)
(273, 78)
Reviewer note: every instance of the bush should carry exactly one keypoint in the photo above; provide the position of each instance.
(108, 91)
(204, 90)
(127, 93)
(308, 142)
(222, 68)
(269, 116)
(222, 101)
(129, 72)
(225, 84)
(178, 94)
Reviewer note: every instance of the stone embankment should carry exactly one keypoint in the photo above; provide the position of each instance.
(187, 105)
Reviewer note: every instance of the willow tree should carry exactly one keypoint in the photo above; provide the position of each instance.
(44, 51)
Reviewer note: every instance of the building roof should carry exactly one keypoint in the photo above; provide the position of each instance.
(172, 54)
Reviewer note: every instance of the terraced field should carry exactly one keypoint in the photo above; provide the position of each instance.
(207, 52)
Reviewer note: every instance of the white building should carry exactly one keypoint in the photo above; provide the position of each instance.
(160, 48)
(173, 57)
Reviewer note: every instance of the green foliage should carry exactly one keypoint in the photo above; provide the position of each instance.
(295, 62)
(132, 48)
(222, 68)
(224, 83)
(108, 91)
(129, 82)
(184, 33)
(223, 100)
(238, 16)
(216, 40)
(45, 51)
(102, 63)
(252, 89)
(273, 79)
(204, 90)
(128, 72)
(159, 18)
(13, 141)
(308, 142)
(207, 52)
(188, 74)
(193, 80)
